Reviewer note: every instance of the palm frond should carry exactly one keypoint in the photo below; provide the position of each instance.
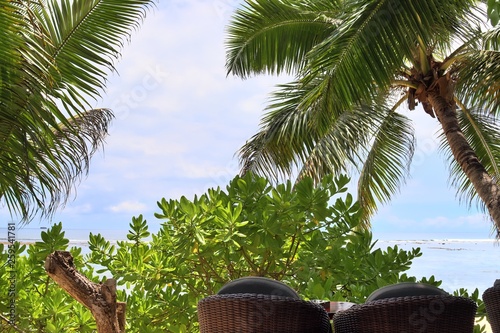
(314, 140)
(491, 38)
(274, 36)
(291, 131)
(60, 53)
(10, 20)
(86, 38)
(317, 141)
(286, 134)
(38, 173)
(342, 146)
(387, 164)
(373, 42)
(479, 78)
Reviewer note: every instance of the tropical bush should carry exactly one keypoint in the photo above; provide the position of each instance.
(304, 235)
(38, 304)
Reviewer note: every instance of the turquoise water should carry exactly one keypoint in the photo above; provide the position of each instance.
(459, 263)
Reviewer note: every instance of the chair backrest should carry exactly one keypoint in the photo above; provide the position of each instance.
(257, 313)
(491, 299)
(402, 289)
(258, 285)
(410, 314)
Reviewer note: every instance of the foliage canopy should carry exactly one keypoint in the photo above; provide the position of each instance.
(55, 56)
(355, 66)
(304, 235)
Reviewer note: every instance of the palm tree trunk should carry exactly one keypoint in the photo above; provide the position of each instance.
(486, 187)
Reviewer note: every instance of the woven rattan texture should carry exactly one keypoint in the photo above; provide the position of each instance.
(491, 299)
(253, 313)
(422, 314)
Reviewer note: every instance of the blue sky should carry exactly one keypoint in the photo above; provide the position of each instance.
(180, 121)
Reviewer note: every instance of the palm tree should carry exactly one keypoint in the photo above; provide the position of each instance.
(357, 64)
(54, 57)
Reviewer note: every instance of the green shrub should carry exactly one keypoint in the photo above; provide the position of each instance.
(303, 235)
(40, 304)
(307, 236)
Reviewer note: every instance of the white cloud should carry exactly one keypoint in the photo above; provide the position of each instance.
(475, 220)
(79, 209)
(180, 121)
(128, 207)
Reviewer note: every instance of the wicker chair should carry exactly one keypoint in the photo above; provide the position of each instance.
(258, 285)
(491, 299)
(410, 314)
(258, 313)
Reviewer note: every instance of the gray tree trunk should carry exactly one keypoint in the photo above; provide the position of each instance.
(99, 298)
(486, 187)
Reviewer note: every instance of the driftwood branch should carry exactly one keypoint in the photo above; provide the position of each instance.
(99, 298)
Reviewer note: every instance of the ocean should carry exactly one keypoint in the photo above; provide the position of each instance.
(457, 262)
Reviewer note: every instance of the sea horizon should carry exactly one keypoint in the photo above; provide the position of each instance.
(32, 233)
(459, 260)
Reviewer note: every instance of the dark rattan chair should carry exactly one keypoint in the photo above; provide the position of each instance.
(258, 313)
(403, 289)
(410, 314)
(491, 299)
(258, 285)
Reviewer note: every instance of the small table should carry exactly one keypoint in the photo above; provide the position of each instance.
(334, 307)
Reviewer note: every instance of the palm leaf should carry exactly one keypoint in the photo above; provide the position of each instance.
(291, 131)
(285, 136)
(340, 148)
(387, 164)
(61, 53)
(10, 20)
(374, 41)
(479, 73)
(274, 36)
(86, 38)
